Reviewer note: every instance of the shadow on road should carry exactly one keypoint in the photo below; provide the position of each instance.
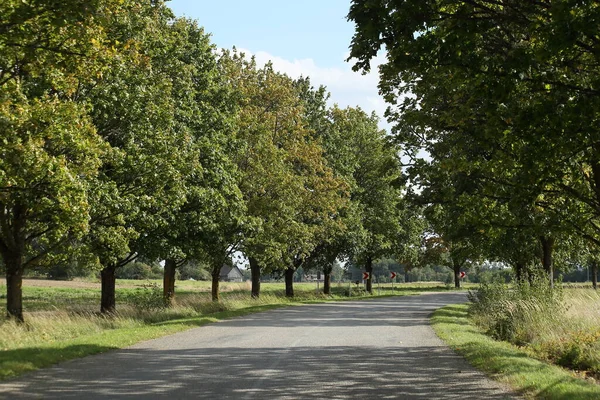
(236, 373)
(381, 349)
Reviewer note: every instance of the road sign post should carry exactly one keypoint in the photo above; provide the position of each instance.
(392, 278)
(366, 276)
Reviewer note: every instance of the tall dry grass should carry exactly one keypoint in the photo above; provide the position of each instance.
(561, 326)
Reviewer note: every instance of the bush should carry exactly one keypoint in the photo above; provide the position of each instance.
(138, 270)
(193, 270)
(519, 313)
(148, 298)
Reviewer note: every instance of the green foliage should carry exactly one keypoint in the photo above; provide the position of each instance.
(499, 95)
(139, 270)
(194, 270)
(148, 298)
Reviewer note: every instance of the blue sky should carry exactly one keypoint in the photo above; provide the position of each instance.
(308, 37)
(289, 29)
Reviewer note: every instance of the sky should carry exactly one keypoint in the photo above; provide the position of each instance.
(307, 37)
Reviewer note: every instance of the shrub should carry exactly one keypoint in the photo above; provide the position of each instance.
(137, 270)
(148, 298)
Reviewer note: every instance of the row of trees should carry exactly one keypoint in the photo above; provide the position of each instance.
(503, 97)
(124, 134)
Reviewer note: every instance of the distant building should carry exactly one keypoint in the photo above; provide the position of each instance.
(231, 274)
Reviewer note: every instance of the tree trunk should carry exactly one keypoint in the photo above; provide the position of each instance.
(107, 300)
(289, 281)
(327, 282)
(595, 275)
(369, 269)
(216, 275)
(327, 278)
(519, 270)
(14, 289)
(255, 271)
(547, 248)
(169, 281)
(456, 268)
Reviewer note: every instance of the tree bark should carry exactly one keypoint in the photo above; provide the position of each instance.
(14, 289)
(216, 275)
(327, 283)
(289, 281)
(169, 281)
(519, 271)
(327, 278)
(215, 287)
(547, 248)
(369, 269)
(595, 275)
(107, 300)
(456, 268)
(255, 272)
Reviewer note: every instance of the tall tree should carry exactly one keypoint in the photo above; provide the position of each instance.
(207, 225)
(135, 108)
(49, 147)
(286, 186)
(500, 91)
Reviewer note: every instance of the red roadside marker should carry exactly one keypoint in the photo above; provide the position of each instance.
(463, 274)
(366, 275)
(392, 275)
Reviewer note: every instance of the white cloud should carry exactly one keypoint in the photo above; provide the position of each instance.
(347, 88)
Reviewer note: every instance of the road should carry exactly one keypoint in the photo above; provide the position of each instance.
(382, 349)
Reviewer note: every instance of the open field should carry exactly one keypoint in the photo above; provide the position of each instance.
(84, 295)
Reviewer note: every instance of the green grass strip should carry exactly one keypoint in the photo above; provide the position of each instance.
(507, 363)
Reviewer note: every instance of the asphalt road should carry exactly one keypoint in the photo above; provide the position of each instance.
(382, 349)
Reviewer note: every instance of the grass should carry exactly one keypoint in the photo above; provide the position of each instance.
(573, 340)
(63, 323)
(507, 363)
(561, 326)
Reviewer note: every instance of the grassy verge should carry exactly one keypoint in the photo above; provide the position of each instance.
(507, 363)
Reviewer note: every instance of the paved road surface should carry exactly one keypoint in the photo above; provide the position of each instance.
(380, 349)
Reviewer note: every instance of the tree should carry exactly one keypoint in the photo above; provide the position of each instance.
(136, 107)
(377, 191)
(498, 91)
(50, 151)
(207, 225)
(287, 189)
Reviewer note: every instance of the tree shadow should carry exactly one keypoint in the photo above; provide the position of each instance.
(283, 373)
(32, 358)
